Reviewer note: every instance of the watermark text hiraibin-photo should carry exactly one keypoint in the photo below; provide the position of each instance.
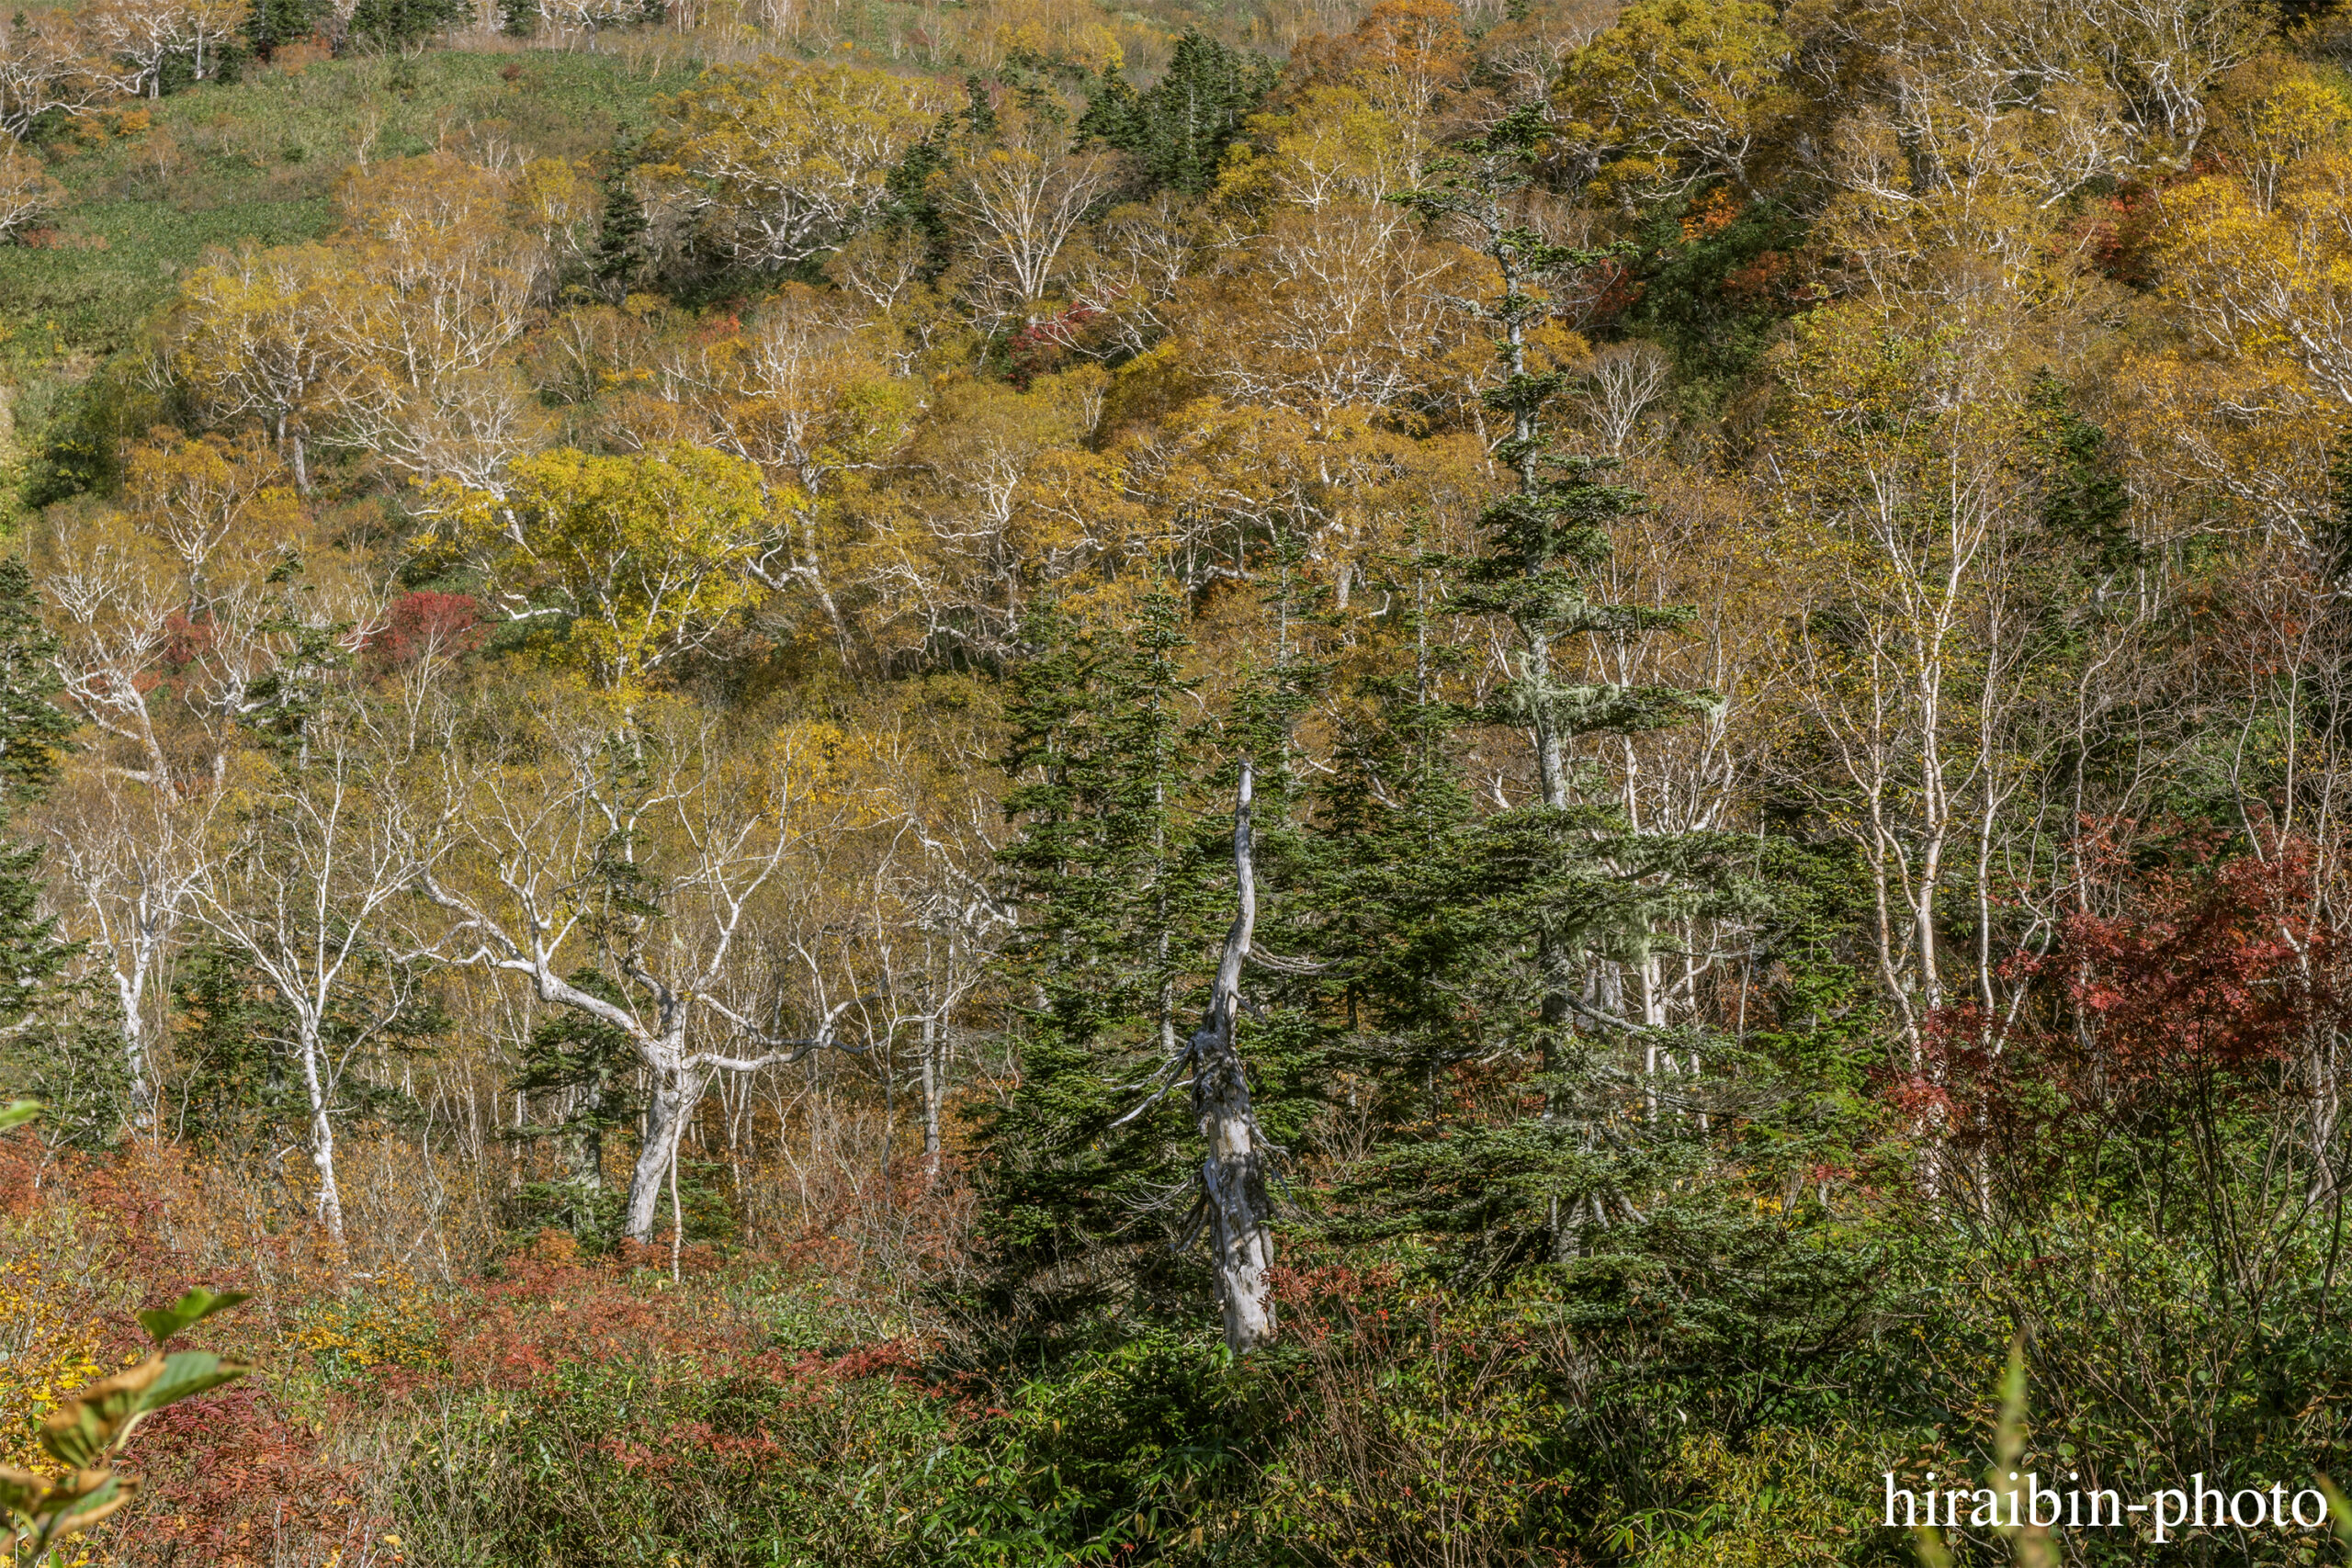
(2025, 1502)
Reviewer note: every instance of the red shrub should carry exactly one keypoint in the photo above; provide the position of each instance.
(426, 623)
(227, 1479)
(2203, 987)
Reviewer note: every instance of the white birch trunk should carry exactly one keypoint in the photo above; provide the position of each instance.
(1233, 1173)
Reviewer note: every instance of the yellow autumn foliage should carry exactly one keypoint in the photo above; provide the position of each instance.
(647, 556)
(47, 1350)
(389, 1323)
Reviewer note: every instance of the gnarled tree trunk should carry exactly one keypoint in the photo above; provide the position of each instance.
(1233, 1174)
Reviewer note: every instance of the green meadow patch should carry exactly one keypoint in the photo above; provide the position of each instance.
(155, 187)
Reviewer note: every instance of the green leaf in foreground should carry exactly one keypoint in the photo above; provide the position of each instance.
(191, 1309)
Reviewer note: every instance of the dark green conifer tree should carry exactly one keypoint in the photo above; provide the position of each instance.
(1080, 1213)
(618, 264)
(914, 199)
(2085, 500)
(391, 23)
(1566, 891)
(1396, 847)
(1179, 128)
(33, 729)
(1529, 1131)
(233, 1092)
(1113, 116)
(270, 24)
(281, 703)
(60, 1046)
(979, 108)
(587, 1069)
(232, 1037)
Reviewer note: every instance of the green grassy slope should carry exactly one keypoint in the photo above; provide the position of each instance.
(257, 160)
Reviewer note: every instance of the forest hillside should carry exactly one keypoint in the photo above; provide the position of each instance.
(1296, 783)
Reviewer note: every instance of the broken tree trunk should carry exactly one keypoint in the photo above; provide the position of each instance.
(1233, 1174)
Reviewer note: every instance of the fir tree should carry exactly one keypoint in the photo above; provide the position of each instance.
(390, 23)
(1547, 534)
(232, 1090)
(914, 199)
(33, 729)
(619, 261)
(1081, 1212)
(232, 1034)
(282, 703)
(1562, 879)
(979, 110)
(53, 1027)
(271, 24)
(1178, 129)
(1397, 849)
(587, 1070)
(2085, 499)
(1113, 116)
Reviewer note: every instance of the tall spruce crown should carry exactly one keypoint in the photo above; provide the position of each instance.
(1545, 537)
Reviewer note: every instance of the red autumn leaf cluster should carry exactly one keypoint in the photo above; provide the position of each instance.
(426, 623)
(2205, 982)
